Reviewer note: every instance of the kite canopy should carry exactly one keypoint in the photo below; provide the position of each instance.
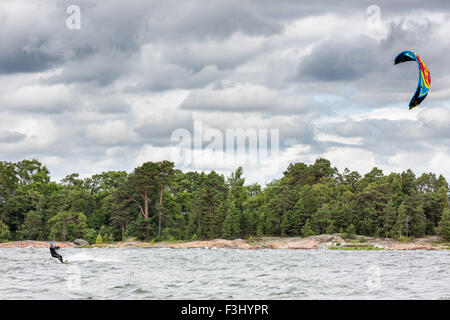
(424, 76)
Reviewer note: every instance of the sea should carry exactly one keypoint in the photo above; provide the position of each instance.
(159, 273)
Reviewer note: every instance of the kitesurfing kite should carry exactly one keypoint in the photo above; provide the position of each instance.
(424, 76)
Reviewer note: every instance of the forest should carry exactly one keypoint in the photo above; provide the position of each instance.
(157, 202)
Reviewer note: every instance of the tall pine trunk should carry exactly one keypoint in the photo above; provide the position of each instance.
(64, 231)
(147, 230)
(147, 227)
(160, 211)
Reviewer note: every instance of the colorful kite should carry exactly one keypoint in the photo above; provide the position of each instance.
(424, 76)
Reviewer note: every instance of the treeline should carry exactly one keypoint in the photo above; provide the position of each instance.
(157, 202)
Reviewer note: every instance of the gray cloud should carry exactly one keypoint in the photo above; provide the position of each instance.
(384, 136)
(137, 70)
(11, 137)
(336, 61)
(112, 106)
(246, 98)
(157, 129)
(29, 57)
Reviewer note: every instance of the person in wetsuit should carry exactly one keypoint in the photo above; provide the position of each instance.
(54, 252)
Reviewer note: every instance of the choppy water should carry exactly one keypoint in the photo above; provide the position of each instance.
(224, 274)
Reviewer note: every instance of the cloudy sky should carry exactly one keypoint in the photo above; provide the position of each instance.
(109, 95)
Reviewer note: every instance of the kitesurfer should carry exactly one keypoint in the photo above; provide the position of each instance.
(54, 252)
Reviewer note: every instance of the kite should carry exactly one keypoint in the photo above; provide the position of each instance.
(424, 76)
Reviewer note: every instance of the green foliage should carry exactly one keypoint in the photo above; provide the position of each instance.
(402, 223)
(350, 232)
(156, 201)
(99, 239)
(403, 238)
(444, 225)
(356, 248)
(260, 225)
(33, 227)
(231, 224)
(330, 229)
(68, 225)
(5, 235)
(389, 215)
(90, 235)
(307, 230)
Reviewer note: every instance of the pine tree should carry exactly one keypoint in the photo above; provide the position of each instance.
(4, 232)
(198, 205)
(330, 229)
(260, 224)
(351, 231)
(290, 224)
(401, 224)
(389, 213)
(307, 229)
(444, 225)
(231, 228)
(415, 217)
(99, 239)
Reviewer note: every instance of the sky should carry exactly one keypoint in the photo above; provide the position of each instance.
(111, 92)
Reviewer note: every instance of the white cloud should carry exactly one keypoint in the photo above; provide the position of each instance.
(111, 132)
(37, 98)
(151, 153)
(387, 114)
(245, 97)
(353, 158)
(338, 139)
(108, 96)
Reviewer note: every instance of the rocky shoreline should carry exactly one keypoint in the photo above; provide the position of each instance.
(332, 242)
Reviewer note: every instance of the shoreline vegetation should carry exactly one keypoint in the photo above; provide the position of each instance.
(159, 205)
(324, 241)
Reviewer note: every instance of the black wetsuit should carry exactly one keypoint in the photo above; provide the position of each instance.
(55, 254)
